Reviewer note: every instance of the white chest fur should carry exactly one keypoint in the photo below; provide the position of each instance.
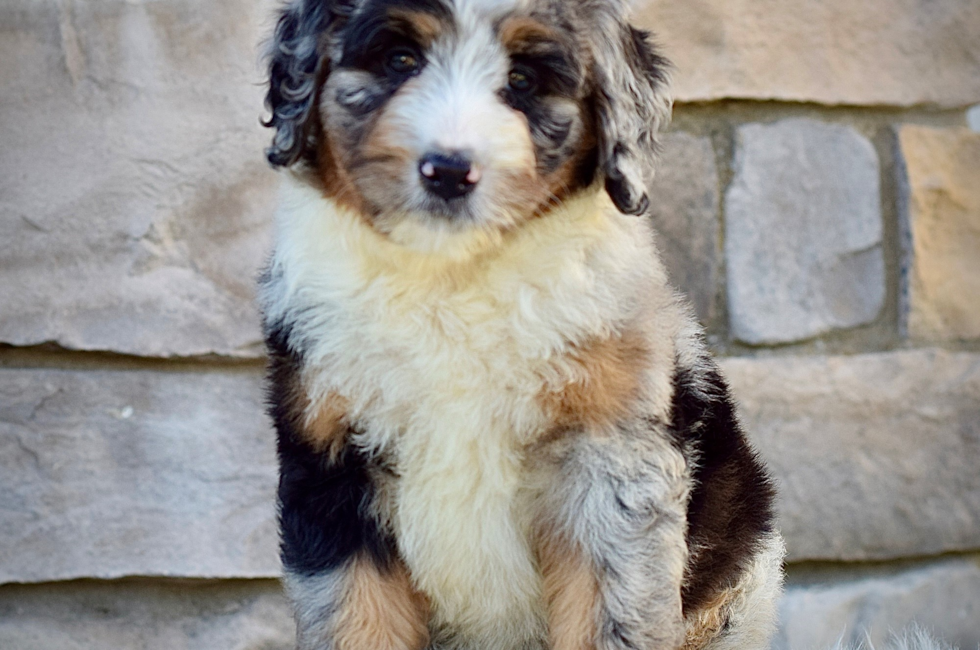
(442, 359)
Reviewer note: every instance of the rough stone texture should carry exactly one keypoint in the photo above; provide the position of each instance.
(684, 208)
(893, 52)
(943, 185)
(109, 474)
(239, 615)
(134, 197)
(875, 455)
(973, 118)
(941, 596)
(803, 235)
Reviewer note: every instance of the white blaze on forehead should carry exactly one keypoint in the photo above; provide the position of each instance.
(488, 9)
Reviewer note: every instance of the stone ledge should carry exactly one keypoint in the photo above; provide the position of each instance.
(888, 52)
(819, 606)
(121, 473)
(853, 603)
(235, 615)
(875, 454)
(109, 474)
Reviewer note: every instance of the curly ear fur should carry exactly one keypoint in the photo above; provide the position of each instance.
(632, 105)
(297, 65)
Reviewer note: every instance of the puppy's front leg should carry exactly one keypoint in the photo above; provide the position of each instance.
(360, 606)
(349, 589)
(611, 543)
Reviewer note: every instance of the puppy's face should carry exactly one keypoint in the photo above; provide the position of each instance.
(439, 116)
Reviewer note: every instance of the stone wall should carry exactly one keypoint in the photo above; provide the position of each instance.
(819, 201)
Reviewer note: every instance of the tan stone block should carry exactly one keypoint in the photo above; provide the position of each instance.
(233, 615)
(135, 202)
(875, 455)
(892, 52)
(108, 474)
(943, 167)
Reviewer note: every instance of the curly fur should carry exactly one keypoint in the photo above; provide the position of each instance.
(499, 427)
(296, 66)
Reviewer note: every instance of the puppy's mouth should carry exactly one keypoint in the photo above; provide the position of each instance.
(453, 210)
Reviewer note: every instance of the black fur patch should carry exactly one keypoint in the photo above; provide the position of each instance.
(642, 56)
(731, 504)
(373, 32)
(324, 506)
(556, 73)
(622, 193)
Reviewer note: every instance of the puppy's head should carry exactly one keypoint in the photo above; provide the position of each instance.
(452, 115)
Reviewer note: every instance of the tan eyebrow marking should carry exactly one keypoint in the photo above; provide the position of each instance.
(517, 33)
(423, 26)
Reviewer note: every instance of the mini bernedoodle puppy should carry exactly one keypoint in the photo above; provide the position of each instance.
(499, 427)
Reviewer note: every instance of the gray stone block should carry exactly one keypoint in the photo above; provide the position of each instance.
(135, 202)
(879, 52)
(855, 603)
(875, 455)
(684, 206)
(234, 615)
(110, 474)
(803, 232)
(973, 118)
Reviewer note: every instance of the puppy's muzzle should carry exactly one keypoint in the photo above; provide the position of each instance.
(448, 176)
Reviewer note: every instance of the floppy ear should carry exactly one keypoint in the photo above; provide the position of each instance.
(632, 104)
(298, 63)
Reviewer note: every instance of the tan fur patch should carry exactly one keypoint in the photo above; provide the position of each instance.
(424, 26)
(606, 381)
(380, 161)
(381, 611)
(571, 594)
(337, 182)
(381, 158)
(326, 426)
(516, 33)
(708, 622)
(523, 189)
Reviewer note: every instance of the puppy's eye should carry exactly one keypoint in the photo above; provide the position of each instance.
(402, 61)
(522, 81)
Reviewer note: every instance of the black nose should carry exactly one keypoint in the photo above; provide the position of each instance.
(449, 177)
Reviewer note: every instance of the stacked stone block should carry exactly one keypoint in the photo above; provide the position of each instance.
(819, 202)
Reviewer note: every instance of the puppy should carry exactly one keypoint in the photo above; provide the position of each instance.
(498, 426)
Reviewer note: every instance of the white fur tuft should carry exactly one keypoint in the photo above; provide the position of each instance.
(913, 638)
